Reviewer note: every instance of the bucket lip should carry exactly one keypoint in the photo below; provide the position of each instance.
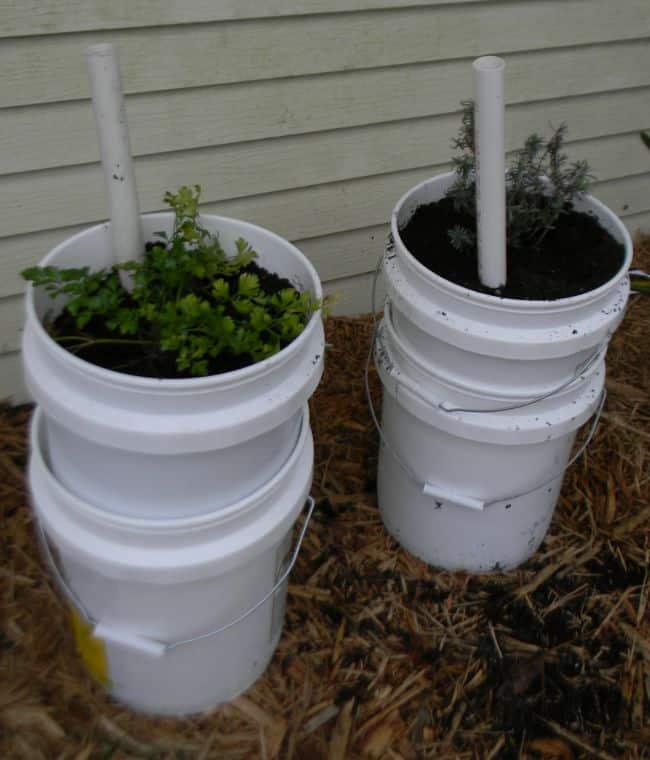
(426, 369)
(179, 525)
(516, 304)
(529, 424)
(172, 558)
(190, 384)
(495, 430)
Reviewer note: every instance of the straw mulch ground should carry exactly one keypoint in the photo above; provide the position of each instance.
(382, 656)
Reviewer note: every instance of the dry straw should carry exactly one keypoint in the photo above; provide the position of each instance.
(383, 657)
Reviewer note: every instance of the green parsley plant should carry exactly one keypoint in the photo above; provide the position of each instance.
(190, 301)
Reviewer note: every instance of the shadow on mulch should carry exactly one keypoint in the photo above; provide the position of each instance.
(382, 656)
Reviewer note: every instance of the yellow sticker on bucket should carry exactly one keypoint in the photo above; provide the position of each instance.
(91, 649)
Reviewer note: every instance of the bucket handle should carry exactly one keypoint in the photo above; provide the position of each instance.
(578, 374)
(147, 644)
(386, 358)
(440, 493)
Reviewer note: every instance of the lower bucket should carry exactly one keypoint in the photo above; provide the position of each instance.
(464, 489)
(175, 616)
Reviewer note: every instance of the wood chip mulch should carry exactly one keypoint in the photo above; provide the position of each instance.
(383, 656)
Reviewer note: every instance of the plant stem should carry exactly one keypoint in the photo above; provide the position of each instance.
(72, 338)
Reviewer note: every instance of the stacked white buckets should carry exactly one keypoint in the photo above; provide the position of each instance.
(483, 397)
(167, 506)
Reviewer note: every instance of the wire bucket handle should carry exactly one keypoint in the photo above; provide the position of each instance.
(151, 645)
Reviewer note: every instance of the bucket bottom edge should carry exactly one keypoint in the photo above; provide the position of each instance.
(464, 567)
(202, 708)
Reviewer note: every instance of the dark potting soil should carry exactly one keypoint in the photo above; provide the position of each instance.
(556, 680)
(131, 360)
(575, 257)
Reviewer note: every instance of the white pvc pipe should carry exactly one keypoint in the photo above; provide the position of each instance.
(489, 141)
(113, 134)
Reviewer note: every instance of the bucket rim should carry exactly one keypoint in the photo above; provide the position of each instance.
(165, 526)
(531, 424)
(190, 384)
(427, 368)
(171, 559)
(514, 304)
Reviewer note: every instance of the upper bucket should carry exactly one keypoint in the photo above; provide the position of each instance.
(517, 349)
(166, 448)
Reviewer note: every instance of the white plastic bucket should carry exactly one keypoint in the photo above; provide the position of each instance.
(171, 448)
(520, 349)
(467, 491)
(483, 397)
(150, 594)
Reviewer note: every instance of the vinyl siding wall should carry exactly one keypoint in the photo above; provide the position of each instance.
(310, 117)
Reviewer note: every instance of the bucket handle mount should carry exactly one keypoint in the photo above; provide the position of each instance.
(143, 643)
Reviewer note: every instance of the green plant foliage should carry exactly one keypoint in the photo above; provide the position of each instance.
(541, 185)
(189, 298)
(461, 238)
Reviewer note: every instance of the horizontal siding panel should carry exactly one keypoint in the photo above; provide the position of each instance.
(52, 135)
(354, 253)
(52, 68)
(625, 196)
(12, 318)
(76, 195)
(12, 385)
(346, 253)
(638, 223)
(609, 157)
(352, 296)
(360, 250)
(295, 214)
(29, 17)
(63, 197)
